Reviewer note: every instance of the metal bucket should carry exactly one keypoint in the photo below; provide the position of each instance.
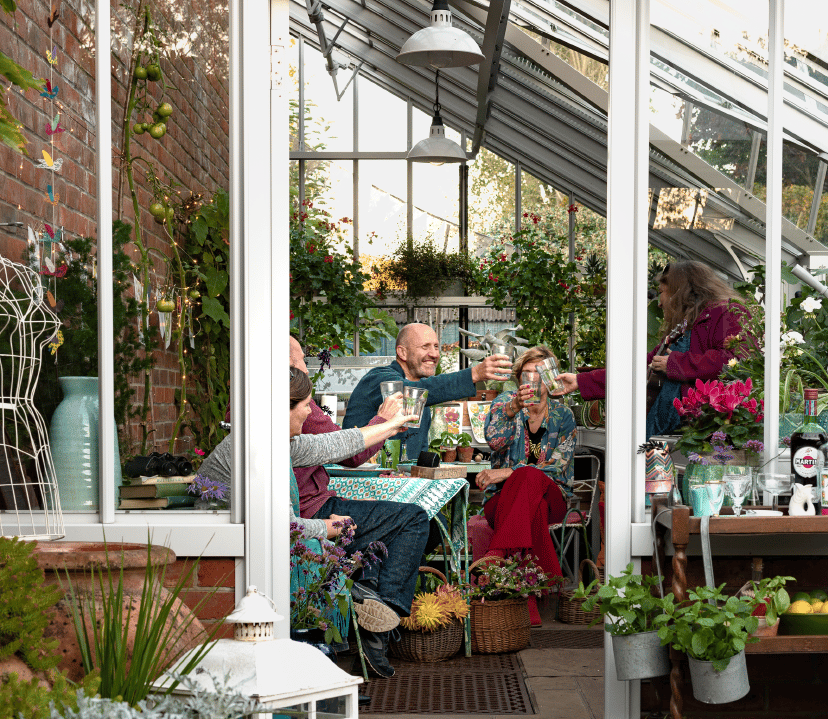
(712, 687)
(640, 656)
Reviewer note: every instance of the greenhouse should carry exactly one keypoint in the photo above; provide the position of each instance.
(490, 201)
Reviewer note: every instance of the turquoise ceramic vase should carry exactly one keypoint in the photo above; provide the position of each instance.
(696, 473)
(73, 437)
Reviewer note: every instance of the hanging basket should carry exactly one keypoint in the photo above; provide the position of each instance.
(571, 609)
(500, 625)
(419, 646)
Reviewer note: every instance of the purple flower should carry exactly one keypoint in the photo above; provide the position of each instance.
(718, 437)
(206, 488)
(698, 459)
(755, 445)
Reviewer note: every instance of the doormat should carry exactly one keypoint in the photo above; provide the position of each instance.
(483, 684)
(567, 639)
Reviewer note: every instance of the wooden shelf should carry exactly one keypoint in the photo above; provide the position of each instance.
(791, 644)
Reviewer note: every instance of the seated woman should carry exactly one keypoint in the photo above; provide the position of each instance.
(531, 475)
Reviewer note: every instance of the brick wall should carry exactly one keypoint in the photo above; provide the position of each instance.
(194, 153)
(210, 590)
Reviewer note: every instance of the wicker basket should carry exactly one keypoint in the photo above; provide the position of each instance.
(570, 609)
(498, 625)
(436, 646)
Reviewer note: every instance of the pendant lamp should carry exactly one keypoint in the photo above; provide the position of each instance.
(437, 148)
(440, 44)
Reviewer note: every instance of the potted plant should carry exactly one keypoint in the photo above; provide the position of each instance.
(465, 451)
(768, 599)
(632, 615)
(722, 425)
(422, 269)
(434, 629)
(446, 445)
(498, 591)
(713, 635)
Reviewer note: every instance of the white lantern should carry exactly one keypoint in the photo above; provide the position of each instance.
(278, 673)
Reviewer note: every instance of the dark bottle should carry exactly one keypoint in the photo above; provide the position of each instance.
(806, 441)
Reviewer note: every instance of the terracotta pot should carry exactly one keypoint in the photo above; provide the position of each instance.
(449, 455)
(763, 630)
(78, 558)
(465, 454)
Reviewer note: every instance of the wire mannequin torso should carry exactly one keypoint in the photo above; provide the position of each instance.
(29, 501)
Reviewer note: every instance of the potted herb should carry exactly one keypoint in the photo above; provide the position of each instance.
(464, 449)
(713, 635)
(446, 445)
(632, 615)
(768, 599)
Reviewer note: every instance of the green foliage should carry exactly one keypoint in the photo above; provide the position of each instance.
(629, 602)
(19, 76)
(78, 356)
(421, 269)
(446, 440)
(710, 632)
(464, 439)
(206, 262)
(318, 269)
(529, 272)
(771, 592)
(24, 605)
(155, 634)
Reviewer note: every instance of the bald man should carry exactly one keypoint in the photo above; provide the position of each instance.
(418, 354)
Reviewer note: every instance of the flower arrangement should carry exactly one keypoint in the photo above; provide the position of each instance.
(210, 491)
(720, 417)
(432, 610)
(324, 578)
(513, 578)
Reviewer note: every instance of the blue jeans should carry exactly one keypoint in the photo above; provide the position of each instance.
(403, 528)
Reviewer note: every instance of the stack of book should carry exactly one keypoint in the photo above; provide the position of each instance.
(157, 493)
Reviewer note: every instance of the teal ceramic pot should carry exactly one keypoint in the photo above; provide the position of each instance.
(73, 438)
(696, 473)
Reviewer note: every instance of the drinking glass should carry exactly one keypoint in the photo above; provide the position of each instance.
(389, 388)
(737, 488)
(501, 348)
(414, 400)
(774, 485)
(732, 472)
(531, 378)
(548, 370)
(715, 495)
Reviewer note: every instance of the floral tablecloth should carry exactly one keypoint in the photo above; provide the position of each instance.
(430, 494)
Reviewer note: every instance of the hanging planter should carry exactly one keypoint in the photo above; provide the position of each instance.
(719, 687)
(640, 656)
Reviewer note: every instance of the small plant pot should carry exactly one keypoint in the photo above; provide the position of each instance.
(712, 687)
(640, 656)
(763, 630)
(449, 455)
(465, 454)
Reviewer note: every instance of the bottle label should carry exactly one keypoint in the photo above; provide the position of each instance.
(805, 461)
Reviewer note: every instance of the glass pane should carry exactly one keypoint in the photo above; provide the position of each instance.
(332, 119)
(436, 203)
(330, 186)
(382, 208)
(821, 229)
(383, 124)
(723, 143)
(491, 199)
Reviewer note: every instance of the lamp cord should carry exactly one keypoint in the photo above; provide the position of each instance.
(437, 92)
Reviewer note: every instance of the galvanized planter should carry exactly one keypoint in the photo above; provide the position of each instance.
(640, 656)
(712, 687)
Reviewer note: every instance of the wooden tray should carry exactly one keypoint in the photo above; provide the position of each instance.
(444, 471)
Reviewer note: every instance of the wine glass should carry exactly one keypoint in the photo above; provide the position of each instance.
(774, 484)
(715, 495)
(737, 488)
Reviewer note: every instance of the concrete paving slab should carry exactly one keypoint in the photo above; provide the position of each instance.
(593, 690)
(560, 698)
(563, 662)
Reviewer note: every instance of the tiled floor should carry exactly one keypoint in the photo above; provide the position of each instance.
(566, 683)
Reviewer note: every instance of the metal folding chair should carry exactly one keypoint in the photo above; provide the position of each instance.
(576, 519)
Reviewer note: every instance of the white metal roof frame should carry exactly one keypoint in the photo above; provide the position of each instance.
(548, 117)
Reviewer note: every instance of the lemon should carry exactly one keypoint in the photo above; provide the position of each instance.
(824, 608)
(800, 606)
(816, 606)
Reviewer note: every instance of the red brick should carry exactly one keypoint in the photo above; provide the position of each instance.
(177, 570)
(217, 573)
(224, 632)
(215, 606)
